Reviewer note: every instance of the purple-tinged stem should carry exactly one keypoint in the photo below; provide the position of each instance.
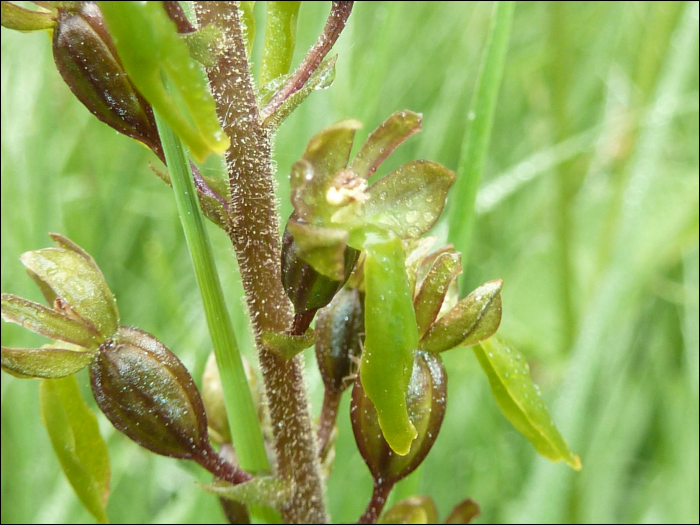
(340, 12)
(376, 504)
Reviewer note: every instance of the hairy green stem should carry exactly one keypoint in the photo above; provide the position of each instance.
(480, 122)
(256, 239)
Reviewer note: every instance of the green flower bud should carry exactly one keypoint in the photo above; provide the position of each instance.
(414, 510)
(88, 62)
(464, 513)
(148, 394)
(426, 401)
(215, 405)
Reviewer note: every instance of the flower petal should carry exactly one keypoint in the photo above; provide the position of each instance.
(409, 200)
(384, 140)
(79, 282)
(47, 363)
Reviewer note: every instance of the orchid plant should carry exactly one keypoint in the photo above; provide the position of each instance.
(352, 260)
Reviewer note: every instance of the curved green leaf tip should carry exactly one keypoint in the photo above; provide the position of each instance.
(267, 491)
(150, 49)
(520, 401)
(391, 339)
(76, 439)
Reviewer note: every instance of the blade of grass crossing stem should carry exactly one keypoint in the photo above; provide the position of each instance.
(245, 427)
(480, 122)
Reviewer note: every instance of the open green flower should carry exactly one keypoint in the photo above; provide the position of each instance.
(84, 312)
(334, 205)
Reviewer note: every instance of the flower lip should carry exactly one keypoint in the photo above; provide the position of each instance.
(346, 187)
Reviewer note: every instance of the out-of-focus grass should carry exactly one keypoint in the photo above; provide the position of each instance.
(588, 210)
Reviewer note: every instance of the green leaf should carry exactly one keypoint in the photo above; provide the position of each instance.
(267, 491)
(409, 200)
(434, 288)
(76, 439)
(47, 363)
(22, 19)
(474, 319)
(322, 248)
(51, 323)
(79, 282)
(202, 43)
(384, 140)
(322, 78)
(414, 510)
(280, 39)
(520, 401)
(391, 338)
(150, 49)
(288, 346)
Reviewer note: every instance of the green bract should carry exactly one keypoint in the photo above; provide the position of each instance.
(150, 49)
(268, 491)
(520, 401)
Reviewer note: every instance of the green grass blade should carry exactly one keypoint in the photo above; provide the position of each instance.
(245, 428)
(476, 141)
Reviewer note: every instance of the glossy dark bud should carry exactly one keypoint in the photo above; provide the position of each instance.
(148, 394)
(340, 331)
(88, 62)
(308, 289)
(426, 402)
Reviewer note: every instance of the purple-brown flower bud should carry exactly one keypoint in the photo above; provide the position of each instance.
(148, 394)
(426, 401)
(308, 289)
(340, 330)
(88, 62)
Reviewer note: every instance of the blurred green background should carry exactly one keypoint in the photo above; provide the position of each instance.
(588, 211)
